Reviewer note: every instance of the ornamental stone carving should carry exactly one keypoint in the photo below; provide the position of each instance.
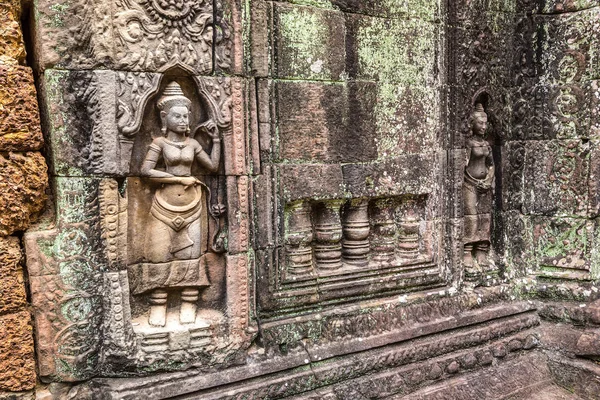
(477, 192)
(152, 281)
(173, 240)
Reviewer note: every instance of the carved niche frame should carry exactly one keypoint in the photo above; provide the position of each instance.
(84, 314)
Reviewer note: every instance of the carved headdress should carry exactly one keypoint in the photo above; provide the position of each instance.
(478, 113)
(172, 96)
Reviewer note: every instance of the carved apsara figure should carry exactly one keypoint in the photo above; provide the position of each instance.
(477, 194)
(173, 243)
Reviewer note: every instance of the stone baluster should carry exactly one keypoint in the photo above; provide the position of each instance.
(328, 235)
(408, 235)
(356, 228)
(298, 237)
(383, 238)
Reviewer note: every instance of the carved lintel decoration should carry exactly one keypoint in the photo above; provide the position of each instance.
(154, 35)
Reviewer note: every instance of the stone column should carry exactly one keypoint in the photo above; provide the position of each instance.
(298, 237)
(356, 228)
(383, 239)
(408, 234)
(328, 235)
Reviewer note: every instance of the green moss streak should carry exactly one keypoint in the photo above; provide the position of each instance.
(305, 35)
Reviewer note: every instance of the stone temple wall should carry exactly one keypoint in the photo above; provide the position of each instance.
(302, 199)
(23, 181)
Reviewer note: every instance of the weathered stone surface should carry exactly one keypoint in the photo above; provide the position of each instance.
(557, 171)
(563, 245)
(12, 49)
(570, 49)
(22, 189)
(395, 51)
(428, 10)
(17, 366)
(128, 36)
(325, 122)
(303, 181)
(308, 43)
(580, 375)
(19, 115)
(12, 6)
(402, 174)
(30, 395)
(334, 223)
(407, 120)
(12, 287)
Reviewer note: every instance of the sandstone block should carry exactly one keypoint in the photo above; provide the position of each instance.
(259, 37)
(12, 288)
(403, 174)
(563, 246)
(304, 181)
(17, 366)
(313, 122)
(23, 180)
(566, 110)
(556, 174)
(407, 119)
(12, 49)
(427, 10)
(309, 42)
(518, 241)
(399, 51)
(569, 47)
(19, 116)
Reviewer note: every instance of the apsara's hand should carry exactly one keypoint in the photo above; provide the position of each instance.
(188, 181)
(211, 129)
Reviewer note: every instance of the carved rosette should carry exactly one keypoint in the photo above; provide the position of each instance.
(154, 35)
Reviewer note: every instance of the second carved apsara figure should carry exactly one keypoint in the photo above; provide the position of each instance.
(477, 195)
(174, 233)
